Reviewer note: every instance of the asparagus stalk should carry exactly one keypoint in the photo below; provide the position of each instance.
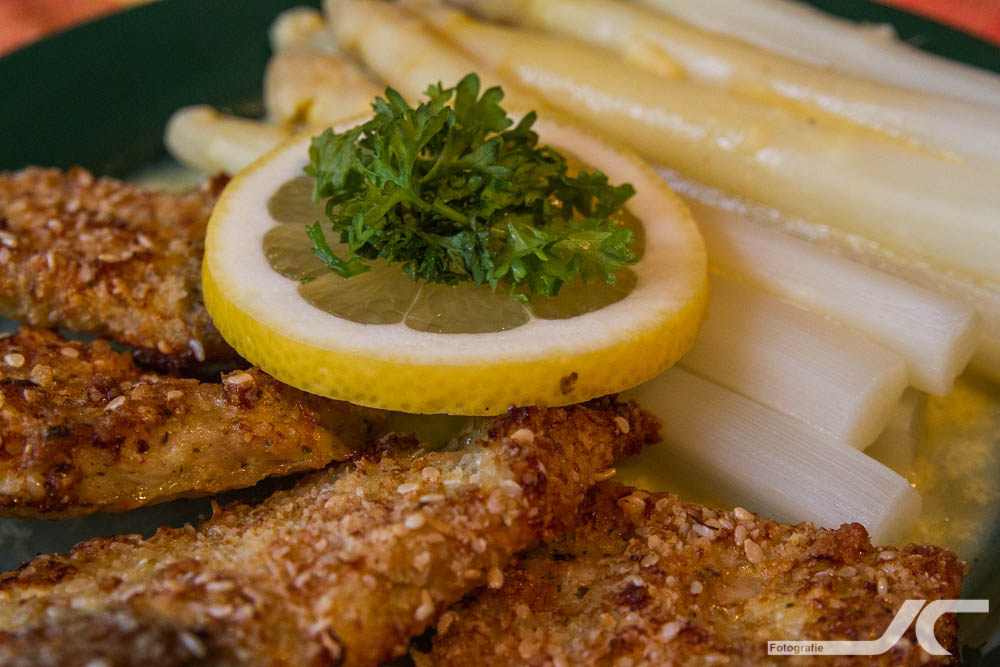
(201, 137)
(301, 27)
(936, 335)
(986, 301)
(809, 35)
(769, 462)
(305, 86)
(831, 378)
(896, 446)
(654, 41)
(399, 49)
(910, 201)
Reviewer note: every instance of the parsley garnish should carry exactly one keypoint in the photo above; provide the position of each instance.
(454, 193)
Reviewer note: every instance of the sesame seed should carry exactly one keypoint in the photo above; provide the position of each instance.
(192, 644)
(115, 403)
(144, 241)
(740, 534)
(445, 621)
(523, 436)
(742, 514)
(164, 347)
(431, 474)
(431, 498)
(414, 521)
(69, 352)
(41, 374)
(494, 578)
(632, 504)
(197, 348)
(703, 530)
(605, 475)
(670, 630)
(422, 559)
(333, 649)
(510, 487)
(8, 239)
(888, 555)
(883, 585)
(50, 259)
(426, 608)
(409, 487)
(14, 359)
(649, 560)
(238, 379)
(623, 425)
(753, 551)
(696, 588)
(174, 395)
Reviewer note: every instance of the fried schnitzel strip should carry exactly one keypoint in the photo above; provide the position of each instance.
(103, 257)
(82, 429)
(344, 568)
(647, 578)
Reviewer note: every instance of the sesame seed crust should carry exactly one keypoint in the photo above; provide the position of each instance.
(82, 429)
(333, 571)
(111, 259)
(648, 579)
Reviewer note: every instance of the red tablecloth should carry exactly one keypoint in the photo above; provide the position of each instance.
(22, 21)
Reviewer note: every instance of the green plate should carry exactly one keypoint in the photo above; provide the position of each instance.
(99, 95)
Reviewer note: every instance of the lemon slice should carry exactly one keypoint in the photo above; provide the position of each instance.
(381, 340)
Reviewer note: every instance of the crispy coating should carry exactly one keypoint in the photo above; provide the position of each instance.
(649, 579)
(82, 429)
(103, 257)
(343, 569)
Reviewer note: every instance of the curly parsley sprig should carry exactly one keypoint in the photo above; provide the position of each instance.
(454, 194)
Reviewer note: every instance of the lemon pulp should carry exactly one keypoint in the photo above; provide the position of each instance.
(384, 295)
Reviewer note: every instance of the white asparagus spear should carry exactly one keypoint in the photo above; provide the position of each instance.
(656, 42)
(934, 334)
(905, 432)
(831, 378)
(771, 463)
(306, 86)
(907, 200)
(985, 301)
(400, 50)
(201, 137)
(301, 27)
(810, 35)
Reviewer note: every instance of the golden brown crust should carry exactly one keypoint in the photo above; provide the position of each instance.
(103, 257)
(649, 579)
(82, 429)
(343, 568)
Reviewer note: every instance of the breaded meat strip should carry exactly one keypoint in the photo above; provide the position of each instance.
(82, 429)
(343, 569)
(647, 579)
(103, 257)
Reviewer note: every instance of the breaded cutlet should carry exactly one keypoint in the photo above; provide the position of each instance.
(344, 568)
(110, 259)
(648, 579)
(82, 429)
